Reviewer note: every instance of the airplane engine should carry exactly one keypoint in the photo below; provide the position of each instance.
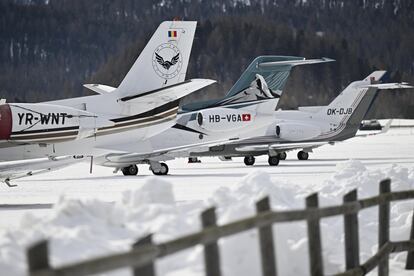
(43, 123)
(224, 119)
(297, 132)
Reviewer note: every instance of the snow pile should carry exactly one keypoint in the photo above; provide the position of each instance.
(80, 229)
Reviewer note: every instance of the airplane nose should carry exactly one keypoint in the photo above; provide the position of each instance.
(5, 122)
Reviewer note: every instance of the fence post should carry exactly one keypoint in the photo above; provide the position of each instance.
(37, 256)
(351, 233)
(211, 252)
(410, 255)
(384, 226)
(148, 269)
(314, 238)
(267, 248)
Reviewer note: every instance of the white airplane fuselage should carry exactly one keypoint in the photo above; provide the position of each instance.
(150, 138)
(71, 142)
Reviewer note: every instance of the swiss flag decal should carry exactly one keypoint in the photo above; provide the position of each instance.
(246, 117)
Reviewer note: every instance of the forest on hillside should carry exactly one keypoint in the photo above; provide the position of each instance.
(49, 48)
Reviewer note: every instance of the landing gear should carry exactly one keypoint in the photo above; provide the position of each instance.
(162, 169)
(249, 160)
(303, 155)
(130, 170)
(273, 160)
(282, 156)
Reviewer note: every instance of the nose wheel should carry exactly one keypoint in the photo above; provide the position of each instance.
(130, 170)
(161, 170)
(249, 160)
(303, 155)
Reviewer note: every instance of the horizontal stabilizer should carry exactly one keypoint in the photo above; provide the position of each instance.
(295, 62)
(100, 88)
(172, 92)
(384, 129)
(383, 86)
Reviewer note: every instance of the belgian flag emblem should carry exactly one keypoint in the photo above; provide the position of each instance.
(172, 34)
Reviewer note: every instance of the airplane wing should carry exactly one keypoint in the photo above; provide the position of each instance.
(158, 155)
(305, 145)
(170, 93)
(17, 169)
(281, 146)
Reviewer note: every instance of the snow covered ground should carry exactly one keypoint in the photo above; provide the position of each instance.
(102, 213)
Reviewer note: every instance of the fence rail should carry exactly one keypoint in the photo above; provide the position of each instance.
(144, 252)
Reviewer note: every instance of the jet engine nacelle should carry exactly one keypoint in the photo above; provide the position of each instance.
(296, 131)
(224, 119)
(42, 123)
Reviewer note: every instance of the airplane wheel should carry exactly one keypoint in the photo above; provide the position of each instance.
(249, 160)
(163, 170)
(273, 160)
(282, 156)
(130, 170)
(303, 155)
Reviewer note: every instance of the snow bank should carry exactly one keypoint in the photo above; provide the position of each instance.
(80, 229)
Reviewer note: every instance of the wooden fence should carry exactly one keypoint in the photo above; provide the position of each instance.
(144, 253)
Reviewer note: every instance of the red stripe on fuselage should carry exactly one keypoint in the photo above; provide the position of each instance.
(6, 122)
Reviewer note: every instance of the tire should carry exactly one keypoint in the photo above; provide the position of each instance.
(163, 171)
(249, 160)
(282, 156)
(273, 160)
(130, 170)
(303, 155)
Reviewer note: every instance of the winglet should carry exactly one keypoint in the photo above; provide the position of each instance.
(375, 76)
(387, 126)
(7, 181)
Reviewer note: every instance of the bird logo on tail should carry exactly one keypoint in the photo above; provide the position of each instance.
(167, 64)
(167, 61)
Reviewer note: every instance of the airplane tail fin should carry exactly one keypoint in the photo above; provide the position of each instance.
(355, 97)
(263, 80)
(349, 108)
(266, 77)
(164, 60)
